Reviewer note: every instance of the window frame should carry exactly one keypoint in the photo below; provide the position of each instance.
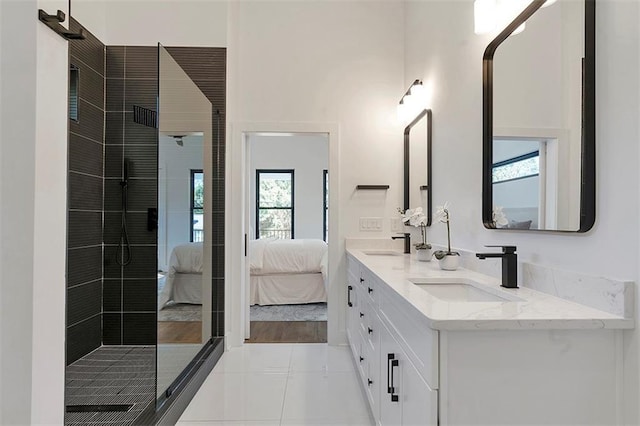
(192, 188)
(293, 198)
(513, 160)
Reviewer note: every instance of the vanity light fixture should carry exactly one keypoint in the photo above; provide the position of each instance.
(413, 102)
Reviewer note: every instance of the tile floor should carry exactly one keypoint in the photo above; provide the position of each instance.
(111, 375)
(281, 384)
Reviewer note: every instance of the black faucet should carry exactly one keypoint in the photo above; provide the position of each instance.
(509, 265)
(407, 241)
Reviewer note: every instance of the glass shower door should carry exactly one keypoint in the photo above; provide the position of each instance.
(184, 223)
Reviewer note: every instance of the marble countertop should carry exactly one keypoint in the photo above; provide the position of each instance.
(533, 310)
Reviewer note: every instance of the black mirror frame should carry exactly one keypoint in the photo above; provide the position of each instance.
(588, 157)
(407, 144)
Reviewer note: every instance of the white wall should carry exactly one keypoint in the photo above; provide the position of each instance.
(440, 45)
(149, 22)
(92, 15)
(33, 150)
(308, 156)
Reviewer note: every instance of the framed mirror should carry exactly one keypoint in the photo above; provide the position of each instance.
(539, 120)
(184, 222)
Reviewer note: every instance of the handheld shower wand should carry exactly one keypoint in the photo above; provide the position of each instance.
(123, 252)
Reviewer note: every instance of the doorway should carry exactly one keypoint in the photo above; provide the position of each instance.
(286, 222)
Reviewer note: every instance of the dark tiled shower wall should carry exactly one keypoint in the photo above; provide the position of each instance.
(85, 186)
(129, 292)
(206, 66)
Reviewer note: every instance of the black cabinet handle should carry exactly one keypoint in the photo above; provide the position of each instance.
(370, 290)
(349, 288)
(391, 363)
(369, 382)
(370, 330)
(361, 314)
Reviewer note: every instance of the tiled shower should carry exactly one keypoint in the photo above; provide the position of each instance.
(111, 309)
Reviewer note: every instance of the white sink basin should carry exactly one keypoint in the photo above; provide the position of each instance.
(381, 253)
(456, 291)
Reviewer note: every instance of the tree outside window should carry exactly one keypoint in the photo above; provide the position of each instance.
(197, 206)
(274, 203)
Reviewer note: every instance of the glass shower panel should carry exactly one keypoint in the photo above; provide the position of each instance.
(184, 222)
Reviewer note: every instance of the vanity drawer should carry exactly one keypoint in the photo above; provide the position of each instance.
(371, 288)
(371, 329)
(412, 332)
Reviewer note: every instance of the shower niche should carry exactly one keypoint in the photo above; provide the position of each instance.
(145, 255)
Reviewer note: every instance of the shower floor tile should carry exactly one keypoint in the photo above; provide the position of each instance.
(111, 375)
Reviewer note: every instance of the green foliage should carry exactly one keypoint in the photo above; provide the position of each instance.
(275, 193)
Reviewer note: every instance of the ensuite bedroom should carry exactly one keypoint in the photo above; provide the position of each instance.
(287, 195)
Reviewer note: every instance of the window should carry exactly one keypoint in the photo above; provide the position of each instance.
(520, 167)
(197, 206)
(274, 203)
(325, 216)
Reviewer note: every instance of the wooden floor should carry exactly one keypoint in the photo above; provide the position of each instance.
(288, 332)
(179, 332)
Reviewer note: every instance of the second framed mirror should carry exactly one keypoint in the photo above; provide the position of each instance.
(539, 120)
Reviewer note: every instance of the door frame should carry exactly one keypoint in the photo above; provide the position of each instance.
(237, 220)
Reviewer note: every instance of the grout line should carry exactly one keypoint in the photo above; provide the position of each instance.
(86, 138)
(85, 174)
(80, 98)
(87, 65)
(286, 386)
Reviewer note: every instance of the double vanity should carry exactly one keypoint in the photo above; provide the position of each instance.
(455, 348)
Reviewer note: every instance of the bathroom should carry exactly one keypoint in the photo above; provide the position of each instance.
(346, 70)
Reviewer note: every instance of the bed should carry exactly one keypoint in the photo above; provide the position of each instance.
(183, 282)
(287, 272)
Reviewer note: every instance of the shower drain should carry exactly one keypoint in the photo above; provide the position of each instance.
(98, 408)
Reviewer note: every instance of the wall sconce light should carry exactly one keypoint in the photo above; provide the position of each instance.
(413, 102)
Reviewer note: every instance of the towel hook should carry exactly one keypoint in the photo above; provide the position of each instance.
(53, 22)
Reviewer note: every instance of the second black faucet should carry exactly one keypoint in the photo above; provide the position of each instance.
(407, 241)
(509, 264)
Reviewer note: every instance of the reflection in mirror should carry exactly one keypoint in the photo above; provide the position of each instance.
(418, 165)
(184, 229)
(539, 149)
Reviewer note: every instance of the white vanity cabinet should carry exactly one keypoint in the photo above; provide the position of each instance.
(422, 370)
(396, 390)
(363, 331)
(405, 398)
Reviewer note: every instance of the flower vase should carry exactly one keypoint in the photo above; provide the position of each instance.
(423, 255)
(450, 262)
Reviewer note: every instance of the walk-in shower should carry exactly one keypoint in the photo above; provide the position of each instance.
(121, 368)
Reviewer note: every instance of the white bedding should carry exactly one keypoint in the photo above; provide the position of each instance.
(185, 259)
(272, 256)
(287, 271)
(286, 289)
